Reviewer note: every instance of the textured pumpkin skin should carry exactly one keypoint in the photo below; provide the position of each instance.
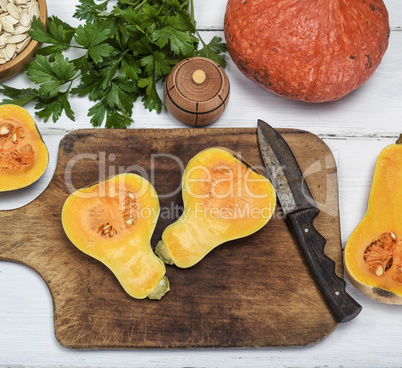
(127, 253)
(224, 199)
(382, 217)
(23, 154)
(308, 50)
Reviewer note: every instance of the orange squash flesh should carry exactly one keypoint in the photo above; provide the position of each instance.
(23, 154)
(113, 222)
(373, 252)
(224, 199)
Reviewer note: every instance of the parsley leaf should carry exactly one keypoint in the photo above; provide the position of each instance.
(121, 52)
(51, 76)
(156, 63)
(89, 35)
(98, 112)
(88, 9)
(101, 112)
(53, 107)
(181, 42)
(130, 67)
(57, 34)
(214, 50)
(18, 96)
(151, 98)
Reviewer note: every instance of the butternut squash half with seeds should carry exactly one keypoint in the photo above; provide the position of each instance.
(224, 199)
(23, 154)
(113, 222)
(373, 252)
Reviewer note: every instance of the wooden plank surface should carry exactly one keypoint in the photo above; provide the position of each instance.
(356, 128)
(252, 292)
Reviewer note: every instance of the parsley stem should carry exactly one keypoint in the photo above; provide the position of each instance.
(71, 81)
(140, 4)
(192, 12)
(200, 38)
(191, 3)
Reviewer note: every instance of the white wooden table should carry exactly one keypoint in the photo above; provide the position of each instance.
(355, 128)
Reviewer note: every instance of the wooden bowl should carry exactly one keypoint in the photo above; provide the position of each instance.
(197, 91)
(17, 65)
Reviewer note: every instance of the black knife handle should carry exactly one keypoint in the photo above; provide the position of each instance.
(343, 306)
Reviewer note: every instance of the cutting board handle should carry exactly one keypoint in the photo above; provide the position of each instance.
(14, 226)
(25, 232)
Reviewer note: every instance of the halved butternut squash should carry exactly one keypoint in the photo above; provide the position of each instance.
(373, 252)
(224, 199)
(23, 154)
(113, 222)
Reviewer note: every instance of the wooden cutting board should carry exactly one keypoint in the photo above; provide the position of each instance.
(252, 292)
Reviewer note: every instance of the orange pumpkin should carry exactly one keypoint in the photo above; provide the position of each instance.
(307, 50)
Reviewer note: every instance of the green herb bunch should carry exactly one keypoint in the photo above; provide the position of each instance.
(123, 54)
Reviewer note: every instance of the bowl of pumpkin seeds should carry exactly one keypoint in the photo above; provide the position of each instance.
(17, 49)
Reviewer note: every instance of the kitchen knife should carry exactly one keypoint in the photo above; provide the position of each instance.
(300, 210)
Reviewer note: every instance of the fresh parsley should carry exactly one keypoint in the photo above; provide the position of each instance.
(120, 55)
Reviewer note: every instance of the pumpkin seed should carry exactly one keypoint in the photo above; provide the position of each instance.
(25, 20)
(106, 230)
(12, 20)
(17, 38)
(10, 50)
(20, 29)
(34, 10)
(3, 4)
(379, 271)
(4, 130)
(3, 39)
(13, 10)
(22, 45)
(7, 25)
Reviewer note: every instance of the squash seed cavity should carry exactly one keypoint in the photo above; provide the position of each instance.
(114, 214)
(15, 156)
(383, 256)
(106, 230)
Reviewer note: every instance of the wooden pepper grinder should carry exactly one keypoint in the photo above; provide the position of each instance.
(197, 91)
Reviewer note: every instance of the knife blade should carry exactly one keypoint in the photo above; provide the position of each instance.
(299, 210)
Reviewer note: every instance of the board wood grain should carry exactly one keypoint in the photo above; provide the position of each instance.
(252, 292)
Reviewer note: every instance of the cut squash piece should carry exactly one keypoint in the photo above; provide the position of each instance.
(224, 199)
(113, 222)
(373, 252)
(23, 154)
